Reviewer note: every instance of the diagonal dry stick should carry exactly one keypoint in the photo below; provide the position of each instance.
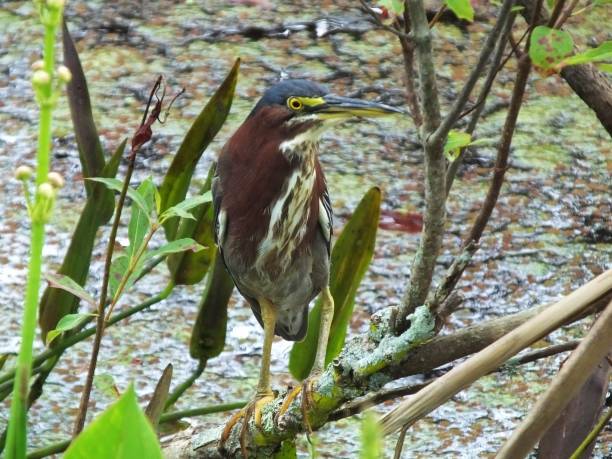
(491, 357)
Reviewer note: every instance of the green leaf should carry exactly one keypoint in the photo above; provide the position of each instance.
(91, 153)
(600, 54)
(605, 67)
(105, 383)
(3, 359)
(394, 6)
(350, 259)
(188, 268)
(117, 185)
(119, 267)
(548, 47)
(139, 220)
(371, 437)
(182, 209)
(208, 333)
(120, 432)
(179, 245)
(602, 2)
(455, 141)
(156, 405)
(65, 283)
(462, 9)
(66, 323)
(176, 182)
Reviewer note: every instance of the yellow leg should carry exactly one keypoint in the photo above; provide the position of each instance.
(327, 316)
(264, 392)
(268, 315)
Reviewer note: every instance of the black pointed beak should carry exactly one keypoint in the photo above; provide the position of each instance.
(345, 107)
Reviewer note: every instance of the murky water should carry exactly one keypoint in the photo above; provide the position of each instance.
(548, 235)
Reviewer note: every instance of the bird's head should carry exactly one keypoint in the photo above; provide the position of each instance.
(302, 110)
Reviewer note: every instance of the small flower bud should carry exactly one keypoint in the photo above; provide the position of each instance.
(55, 179)
(23, 172)
(46, 191)
(40, 78)
(57, 4)
(64, 74)
(38, 65)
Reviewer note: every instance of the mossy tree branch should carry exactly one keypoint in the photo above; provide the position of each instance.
(365, 365)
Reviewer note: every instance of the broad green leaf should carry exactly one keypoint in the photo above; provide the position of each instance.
(350, 259)
(600, 54)
(122, 431)
(119, 267)
(156, 405)
(455, 141)
(462, 9)
(182, 208)
(117, 185)
(548, 47)
(65, 283)
(602, 2)
(189, 268)
(66, 323)
(178, 245)
(105, 383)
(394, 6)
(139, 220)
(176, 182)
(371, 437)
(91, 153)
(208, 333)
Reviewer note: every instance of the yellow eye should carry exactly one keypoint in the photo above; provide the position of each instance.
(294, 103)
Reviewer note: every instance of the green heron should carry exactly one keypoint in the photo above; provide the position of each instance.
(273, 216)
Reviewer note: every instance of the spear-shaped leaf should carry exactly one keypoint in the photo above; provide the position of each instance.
(176, 182)
(208, 334)
(156, 405)
(189, 268)
(350, 259)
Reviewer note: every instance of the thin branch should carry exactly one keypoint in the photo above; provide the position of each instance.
(563, 388)
(590, 438)
(565, 15)
(479, 106)
(435, 169)
(100, 320)
(437, 16)
(489, 45)
(376, 19)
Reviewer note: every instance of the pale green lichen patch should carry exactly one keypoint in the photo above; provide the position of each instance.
(394, 348)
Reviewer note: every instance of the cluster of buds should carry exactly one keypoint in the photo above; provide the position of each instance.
(41, 207)
(47, 87)
(50, 11)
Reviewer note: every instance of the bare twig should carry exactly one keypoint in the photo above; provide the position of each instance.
(137, 142)
(478, 107)
(564, 387)
(437, 16)
(451, 118)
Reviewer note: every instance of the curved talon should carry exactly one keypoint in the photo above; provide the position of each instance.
(305, 405)
(252, 410)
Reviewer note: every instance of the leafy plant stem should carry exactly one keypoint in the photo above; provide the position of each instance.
(100, 322)
(49, 450)
(17, 428)
(181, 388)
(71, 340)
(133, 263)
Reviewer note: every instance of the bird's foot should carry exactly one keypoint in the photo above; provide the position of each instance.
(251, 410)
(306, 403)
